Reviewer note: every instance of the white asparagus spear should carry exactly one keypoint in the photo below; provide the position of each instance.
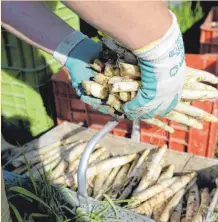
(44, 168)
(66, 146)
(21, 159)
(152, 191)
(76, 152)
(168, 173)
(46, 163)
(205, 201)
(56, 152)
(147, 207)
(95, 89)
(194, 85)
(133, 95)
(177, 213)
(101, 79)
(201, 75)
(195, 112)
(97, 65)
(45, 153)
(158, 209)
(108, 70)
(65, 179)
(213, 203)
(184, 119)
(191, 184)
(109, 181)
(160, 124)
(106, 165)
(147, 179)
(141, 165)
(89, 190)
(205, 198)
(95, 169)
(125, 96)
(99, 181)
(116, 71)
(130, 86)
(198, 95)
(118, 182)
(129, 70)
(39, 155)
(135, 175)
(133, 165)
(109, 164)
(58, 170)
(103, 156)
(165, 216)
(114, 102)
(193, 203)
(180, 212)
(115, 79)
(157, 174)
(96, 155)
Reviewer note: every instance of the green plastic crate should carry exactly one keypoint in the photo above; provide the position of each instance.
(27, 99)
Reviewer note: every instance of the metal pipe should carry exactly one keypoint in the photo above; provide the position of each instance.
(83, 164)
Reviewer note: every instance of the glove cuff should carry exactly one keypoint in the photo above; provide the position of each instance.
(64, 48)
(160, 47)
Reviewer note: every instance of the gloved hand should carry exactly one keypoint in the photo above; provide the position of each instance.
(76, 52)
(162, 67)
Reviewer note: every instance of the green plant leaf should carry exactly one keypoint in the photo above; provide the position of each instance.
(38, 215)
(16, 212)
(112, 204)
(101, 213)
(31, 175)
(186, 15)
(25, 192)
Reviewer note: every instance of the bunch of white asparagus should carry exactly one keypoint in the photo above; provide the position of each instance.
(143, 178)
(119, 84)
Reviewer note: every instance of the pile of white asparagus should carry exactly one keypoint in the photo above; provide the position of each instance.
(151, 186)
(118, 84)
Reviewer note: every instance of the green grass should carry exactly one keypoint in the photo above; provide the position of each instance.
(42, 202)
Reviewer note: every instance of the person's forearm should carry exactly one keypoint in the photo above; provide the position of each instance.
(133, 24)
(33, 22)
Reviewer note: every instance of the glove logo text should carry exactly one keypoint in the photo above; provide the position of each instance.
(178, 50)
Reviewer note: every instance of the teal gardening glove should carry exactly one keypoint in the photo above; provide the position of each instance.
(76, 52)
(162, 67)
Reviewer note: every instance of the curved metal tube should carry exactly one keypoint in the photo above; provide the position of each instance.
(135, 136)
(83, 164)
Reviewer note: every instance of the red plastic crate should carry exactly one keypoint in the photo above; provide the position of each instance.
(200, 142)
(153, 134)
(70, 108)
(209, 34)
(203, 142)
